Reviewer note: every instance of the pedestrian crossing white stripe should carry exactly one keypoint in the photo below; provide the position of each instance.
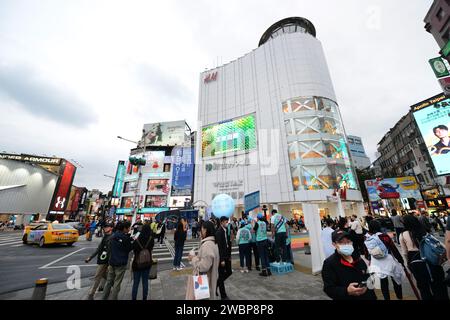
(161, 254)
(18, 245)
(10, 243)
(9, 238)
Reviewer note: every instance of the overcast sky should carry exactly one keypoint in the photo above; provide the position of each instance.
(75, 74)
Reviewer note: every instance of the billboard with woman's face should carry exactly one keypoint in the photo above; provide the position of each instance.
(433, 119)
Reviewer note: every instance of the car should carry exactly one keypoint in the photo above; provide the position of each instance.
(79, 226)
(50, 233)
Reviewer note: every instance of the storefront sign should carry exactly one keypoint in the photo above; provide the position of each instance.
(62, 191)
(439, 67)
(118, 181)
(210, 77)
(32, 159)
(437, 203)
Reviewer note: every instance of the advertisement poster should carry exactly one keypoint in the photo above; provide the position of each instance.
(158, 186)
(251, 201)
(154, 162)
(165, 133)
(393, 188)
(433, 119)
(118, 181)
(61, 195)
(230, 135)
(182, 171)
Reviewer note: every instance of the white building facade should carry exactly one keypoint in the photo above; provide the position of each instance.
(360, 159)
(269, 122)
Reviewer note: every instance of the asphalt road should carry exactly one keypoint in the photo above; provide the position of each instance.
(21, 265)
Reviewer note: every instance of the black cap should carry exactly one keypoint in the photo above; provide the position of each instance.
(108, 224)
(338, 235)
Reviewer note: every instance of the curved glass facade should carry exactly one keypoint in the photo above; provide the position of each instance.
(317, 147)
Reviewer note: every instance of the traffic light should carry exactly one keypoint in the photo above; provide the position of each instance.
(137, 161)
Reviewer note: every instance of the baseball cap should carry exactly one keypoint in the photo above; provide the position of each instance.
(108, 224)
(338, 235)
(260, 215)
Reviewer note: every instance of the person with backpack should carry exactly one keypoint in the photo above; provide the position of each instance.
(381, 251)
(279, 234)
(260, 228)
(421, 250)
(243, 239)
(142, 261)
(102, 260)
(119, 249)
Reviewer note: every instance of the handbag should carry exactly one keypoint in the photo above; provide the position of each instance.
(153, 270)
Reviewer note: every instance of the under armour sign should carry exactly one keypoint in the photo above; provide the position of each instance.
(60, 202)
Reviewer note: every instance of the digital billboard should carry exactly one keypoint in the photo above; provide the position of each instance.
(393, 188)
(165, 133)
(230, 135)
(118, 181)
(433, 119)
(182, 171)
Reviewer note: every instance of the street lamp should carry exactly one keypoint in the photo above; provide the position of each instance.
(137, 191)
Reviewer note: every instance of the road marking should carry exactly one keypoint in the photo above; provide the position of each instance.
(18, 245)
(73, 265)
(9, 239)
(62, 258)
(161, 254)
(10, 243)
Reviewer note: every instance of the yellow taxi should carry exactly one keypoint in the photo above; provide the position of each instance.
(50, 233)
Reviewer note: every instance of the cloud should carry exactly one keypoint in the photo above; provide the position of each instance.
(44, 99)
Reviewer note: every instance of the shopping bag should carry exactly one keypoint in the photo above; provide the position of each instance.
(201, 287)
(153, 270)
(190, 289)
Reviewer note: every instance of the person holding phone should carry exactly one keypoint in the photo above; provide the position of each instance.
(344, 273)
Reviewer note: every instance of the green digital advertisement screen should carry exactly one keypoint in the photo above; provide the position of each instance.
(230, 135)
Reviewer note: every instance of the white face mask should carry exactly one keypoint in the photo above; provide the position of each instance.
(346, 249)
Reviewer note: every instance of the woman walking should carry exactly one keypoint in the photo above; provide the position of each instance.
(207, 260)
(430, 278)
(142, 261)
(179, 237)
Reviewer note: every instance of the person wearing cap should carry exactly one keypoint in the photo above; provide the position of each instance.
(279, 234)
(243, 239)
(260, 228)
(102, 260)
(344, 273)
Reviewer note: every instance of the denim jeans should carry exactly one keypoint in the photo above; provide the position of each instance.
(178, 254)
(245, 255)
(290, 255)
(263, 254)
(137, 276)
(254, 248)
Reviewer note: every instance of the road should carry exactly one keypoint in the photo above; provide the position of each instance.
(21, 265)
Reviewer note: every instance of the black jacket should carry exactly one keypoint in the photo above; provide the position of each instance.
(102, 247)
(146, 244)
(120, 246)
(179, 237)
(224, 244)
(337, 276)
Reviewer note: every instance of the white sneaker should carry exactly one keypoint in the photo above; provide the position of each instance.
(246, 270)
(242, 271)
(180, 268)
(174, 268)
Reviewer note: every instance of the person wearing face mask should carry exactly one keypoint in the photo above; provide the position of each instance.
(224, 244)
(344, 273)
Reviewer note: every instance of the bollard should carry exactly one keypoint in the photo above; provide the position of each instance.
(40, 290)
(307, 248)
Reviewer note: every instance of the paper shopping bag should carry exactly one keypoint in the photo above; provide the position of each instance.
(201, 287)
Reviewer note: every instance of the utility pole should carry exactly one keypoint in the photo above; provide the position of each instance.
(137, 205)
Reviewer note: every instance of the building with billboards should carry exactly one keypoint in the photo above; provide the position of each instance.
(21, 177)
(165, 182)
(269, 122)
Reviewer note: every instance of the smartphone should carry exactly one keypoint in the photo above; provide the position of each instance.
(362, 284)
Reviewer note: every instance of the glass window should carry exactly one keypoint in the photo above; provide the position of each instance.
(58, 226)
(155, 201)
(167, 167)
(127, 202)
(303, 104)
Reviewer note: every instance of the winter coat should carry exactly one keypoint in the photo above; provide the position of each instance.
(224, 244)
(102, 247)
(146, 244)
(207, 261)
(120, 246)
(337, 274)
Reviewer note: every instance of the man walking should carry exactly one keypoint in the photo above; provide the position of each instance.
(120, 246)
(279, 234)
(398, 224)
(224, 243)
(102, 260)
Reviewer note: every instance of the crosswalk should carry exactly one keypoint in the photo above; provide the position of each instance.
(11, 239)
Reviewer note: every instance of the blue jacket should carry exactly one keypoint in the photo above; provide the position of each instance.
(120, 247)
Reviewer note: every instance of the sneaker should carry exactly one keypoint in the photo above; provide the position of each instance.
(246, 271)
(242, 271)
(174, 268)
(263, 273)
(269, 273)
(180, 268)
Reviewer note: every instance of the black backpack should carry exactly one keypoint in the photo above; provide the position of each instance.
(144, 257)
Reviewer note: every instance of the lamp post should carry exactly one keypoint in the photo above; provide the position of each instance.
(137, 191)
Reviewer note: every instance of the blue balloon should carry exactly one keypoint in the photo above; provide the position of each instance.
(223, 206)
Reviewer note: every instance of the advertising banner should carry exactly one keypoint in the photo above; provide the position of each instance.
(439, 67)
(61, 195)
(393, 188)
(230, 135)
(182, 171)
(118, 181)
(433, 119)
(165, 133)
(31, 158)
(251, 201)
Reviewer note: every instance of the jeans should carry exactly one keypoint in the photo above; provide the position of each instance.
(137, 276)
(245, 255)
(161, 238)
(290, 255)
(100, 274)
(224, 273)
(385, 289)
(178, 254)
(263, 254)
(429, 290)
(114, 280)
(280, 245)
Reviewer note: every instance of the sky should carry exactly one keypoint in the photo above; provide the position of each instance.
(75, 74)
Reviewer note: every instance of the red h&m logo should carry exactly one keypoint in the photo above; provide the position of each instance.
(210, 77)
